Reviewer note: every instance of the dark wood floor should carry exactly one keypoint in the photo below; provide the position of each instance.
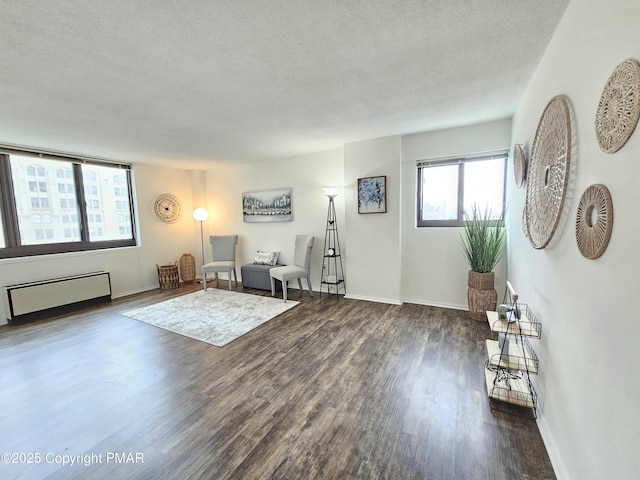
(327, 390)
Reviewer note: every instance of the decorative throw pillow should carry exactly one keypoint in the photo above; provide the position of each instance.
(266, 258)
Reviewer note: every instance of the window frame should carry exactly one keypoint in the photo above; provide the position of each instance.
(13, 247)
(460, 161)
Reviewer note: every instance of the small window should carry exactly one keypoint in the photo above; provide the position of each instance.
(448, 188)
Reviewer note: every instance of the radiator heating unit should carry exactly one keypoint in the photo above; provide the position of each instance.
(34, 300)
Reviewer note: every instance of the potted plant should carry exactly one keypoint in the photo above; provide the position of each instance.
(483, 242)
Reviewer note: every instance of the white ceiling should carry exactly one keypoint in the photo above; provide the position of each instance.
(187, 82)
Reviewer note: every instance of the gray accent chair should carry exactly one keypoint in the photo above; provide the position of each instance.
(301, 267)
(223, 258)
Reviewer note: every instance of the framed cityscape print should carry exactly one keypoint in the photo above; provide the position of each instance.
(267, 206)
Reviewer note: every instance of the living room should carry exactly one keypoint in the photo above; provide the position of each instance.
(588, 414)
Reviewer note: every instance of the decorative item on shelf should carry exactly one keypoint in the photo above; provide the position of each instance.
(594, 221)
(548, 173)
(619, 107)
(503, 346)
(519, 165)
(483, 242)
(168, 208)
(332, 270)
(372, 194)
(187, 268)
(168, 276)
(201, 215)
(508, 312)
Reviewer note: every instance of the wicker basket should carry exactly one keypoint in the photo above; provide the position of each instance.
(187, 268)
(168, 276)
(481, 294)
(481, 281)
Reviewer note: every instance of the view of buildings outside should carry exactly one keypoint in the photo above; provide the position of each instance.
(440, 193)
(483, 185)
(47, 204)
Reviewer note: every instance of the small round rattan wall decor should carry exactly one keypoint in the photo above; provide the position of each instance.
(548, 173)
(619, 107)
(594, 221)
(524, 222)
(519, 165)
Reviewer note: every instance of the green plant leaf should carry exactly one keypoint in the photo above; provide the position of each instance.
(483, 239)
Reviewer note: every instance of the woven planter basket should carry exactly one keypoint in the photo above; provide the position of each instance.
(168, 276)
(481, 295)
(187, 268)
(481, 281)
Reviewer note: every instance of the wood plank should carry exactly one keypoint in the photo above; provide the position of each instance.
(346, 389)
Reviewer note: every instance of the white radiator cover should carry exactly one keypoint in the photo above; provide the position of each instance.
(29, 298)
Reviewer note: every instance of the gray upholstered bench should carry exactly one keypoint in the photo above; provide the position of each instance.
(257, 276)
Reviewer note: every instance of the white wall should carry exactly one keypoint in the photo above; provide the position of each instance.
(589, 389)
(306, 175)
(434, 268)
(373, 259)
(132, 269)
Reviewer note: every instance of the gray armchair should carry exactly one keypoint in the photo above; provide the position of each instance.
(223, 258)
(300, 269)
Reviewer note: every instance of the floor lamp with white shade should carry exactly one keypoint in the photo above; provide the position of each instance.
(200, 215)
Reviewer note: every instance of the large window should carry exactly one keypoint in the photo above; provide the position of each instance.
(53, 204)
(448, 188)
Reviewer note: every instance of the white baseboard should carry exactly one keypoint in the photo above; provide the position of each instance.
(133, 292)
(430, 303)
(374, 299)
(552, 449)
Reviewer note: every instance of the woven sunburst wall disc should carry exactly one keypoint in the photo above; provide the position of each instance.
(594, 221)
(548, 173)
(519, 165)
(619, 107)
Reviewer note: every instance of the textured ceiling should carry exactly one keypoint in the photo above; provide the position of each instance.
(187, 82)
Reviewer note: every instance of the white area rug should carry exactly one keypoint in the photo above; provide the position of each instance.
(215, 316)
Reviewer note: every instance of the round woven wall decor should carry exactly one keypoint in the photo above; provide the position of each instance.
(519, 165)
(594, 221)
(619, 107)
(524, 222)
(548, 173)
